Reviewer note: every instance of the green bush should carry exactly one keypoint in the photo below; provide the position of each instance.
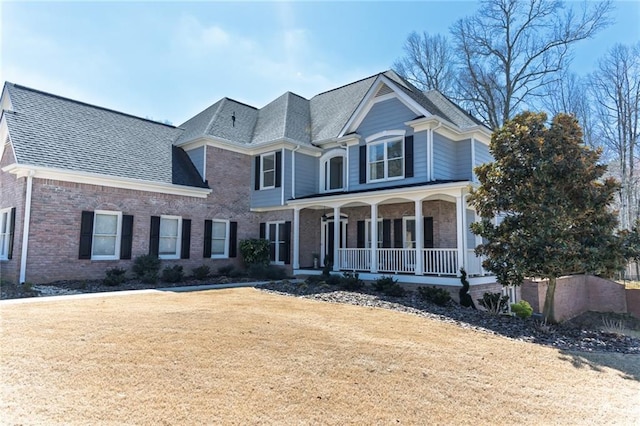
(268, 272)
(522, 309)
(439, 296)
(149, 277)
(226, 270)
(115, 277)
(333, 279)
(351, 281)
(494, 303)
(255, 251)
(146, 265)
(201, 272)
(389, 287)
(173, 274)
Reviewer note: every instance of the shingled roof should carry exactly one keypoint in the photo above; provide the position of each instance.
(55, 132)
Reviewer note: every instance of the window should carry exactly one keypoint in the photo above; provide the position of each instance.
(170, 234)
(380, 233)
(219, 239)
(409, 232)
(386, 160)
(106, 235)
(278, 234)
(333, 171)
(268, 167)
(6, 230)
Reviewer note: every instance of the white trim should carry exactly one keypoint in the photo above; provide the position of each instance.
(251, 149)
(368, 231)
(175, 255)
(385, 141)
(105, 180)
(267, 236)
(282, 177)
(227, 236)
(326, 158)
(25, 229)
(5, 232)
(262, 170)
(390, 134)
(450, 130)
(118, 235)
(405, 219)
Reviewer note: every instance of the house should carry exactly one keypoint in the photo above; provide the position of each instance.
(85, 189)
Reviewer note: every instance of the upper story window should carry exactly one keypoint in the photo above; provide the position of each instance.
(332, 172)
(268, 167)
(386, 159)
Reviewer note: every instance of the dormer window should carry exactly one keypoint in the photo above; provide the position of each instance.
(332, 171)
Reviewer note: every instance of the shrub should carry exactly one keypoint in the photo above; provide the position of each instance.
(522, 309)
(115, 277)
(147, 264)
(149, 277)
(269, 272)
(389, 287)
(439, 296)
(494, 303)
(201, 272)
(172, 274)
(351, 281)
(226, 270)
(333, 279)
(328, 266)
(255, 251)
(314, 279)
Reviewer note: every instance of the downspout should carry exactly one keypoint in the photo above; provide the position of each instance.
(293, 172)
(25, 228)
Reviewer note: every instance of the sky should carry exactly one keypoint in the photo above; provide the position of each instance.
(171, 60)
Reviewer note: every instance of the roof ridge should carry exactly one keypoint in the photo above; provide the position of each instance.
(214, 115)
(19, 86)
(349, 84)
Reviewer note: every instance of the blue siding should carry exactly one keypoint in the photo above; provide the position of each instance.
(471, 237)
(307, 178)
(286, 178)
(197, 158)
(269, 197)
(444, 158)
(464, 168)
(389, 115)
(482, 154)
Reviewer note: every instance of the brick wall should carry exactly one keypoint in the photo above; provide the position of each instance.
(633, 301)
(12, 195)
(577, 294)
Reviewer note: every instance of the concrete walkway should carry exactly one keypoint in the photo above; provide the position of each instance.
(182, 289)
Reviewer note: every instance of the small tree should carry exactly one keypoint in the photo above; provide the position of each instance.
(255, 251)
(549, 188)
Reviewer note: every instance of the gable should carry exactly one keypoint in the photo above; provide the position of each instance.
(389, 114)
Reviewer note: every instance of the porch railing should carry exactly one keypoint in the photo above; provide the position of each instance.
(396, 260)
(355, 259)
(440, 261)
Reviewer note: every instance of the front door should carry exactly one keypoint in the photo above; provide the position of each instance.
(328, 240)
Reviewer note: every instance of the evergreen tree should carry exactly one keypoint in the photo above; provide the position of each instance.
(548, 188)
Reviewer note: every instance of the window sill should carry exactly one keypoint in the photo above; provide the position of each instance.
(219, 256)
(168, 256)
(386, 180)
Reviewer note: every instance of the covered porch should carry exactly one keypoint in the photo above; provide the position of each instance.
(422, 234)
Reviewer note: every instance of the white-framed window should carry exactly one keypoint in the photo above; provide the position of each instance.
(333, 171)
(368, 233)
(5, 233)
(409, 232)
(385, 159)
(276, 234)
(105, 242)
(219, 239)
(170, 237)
(268, 170)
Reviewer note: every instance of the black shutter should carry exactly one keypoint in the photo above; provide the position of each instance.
(287, 243)
(126, 239)
(208, 233)
(363, 164)
(154, 236)
(263, 231)
(386, 233)
(257, 175)
(360, 243)
(278, 169)
(428, 232)
(233, 239)
(397, 233)
(86, 235)
(12, 227)
(186, 239)
(408, 156)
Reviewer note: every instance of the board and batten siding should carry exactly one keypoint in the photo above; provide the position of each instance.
(197, 158)
(307, 179)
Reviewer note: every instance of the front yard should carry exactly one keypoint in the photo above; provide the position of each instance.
(245, 356)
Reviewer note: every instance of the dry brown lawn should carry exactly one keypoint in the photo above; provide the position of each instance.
(243, 356)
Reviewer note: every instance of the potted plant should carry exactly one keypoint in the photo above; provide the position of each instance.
(316, 260)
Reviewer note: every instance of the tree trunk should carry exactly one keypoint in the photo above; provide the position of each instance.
(548, 312)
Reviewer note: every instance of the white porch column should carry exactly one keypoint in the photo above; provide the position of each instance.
(296, 238)
(461, 231)
(337, 224)
(478, 241)
(374, 238)
(419, 237)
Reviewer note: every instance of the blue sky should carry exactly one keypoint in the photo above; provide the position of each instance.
(170, 60)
